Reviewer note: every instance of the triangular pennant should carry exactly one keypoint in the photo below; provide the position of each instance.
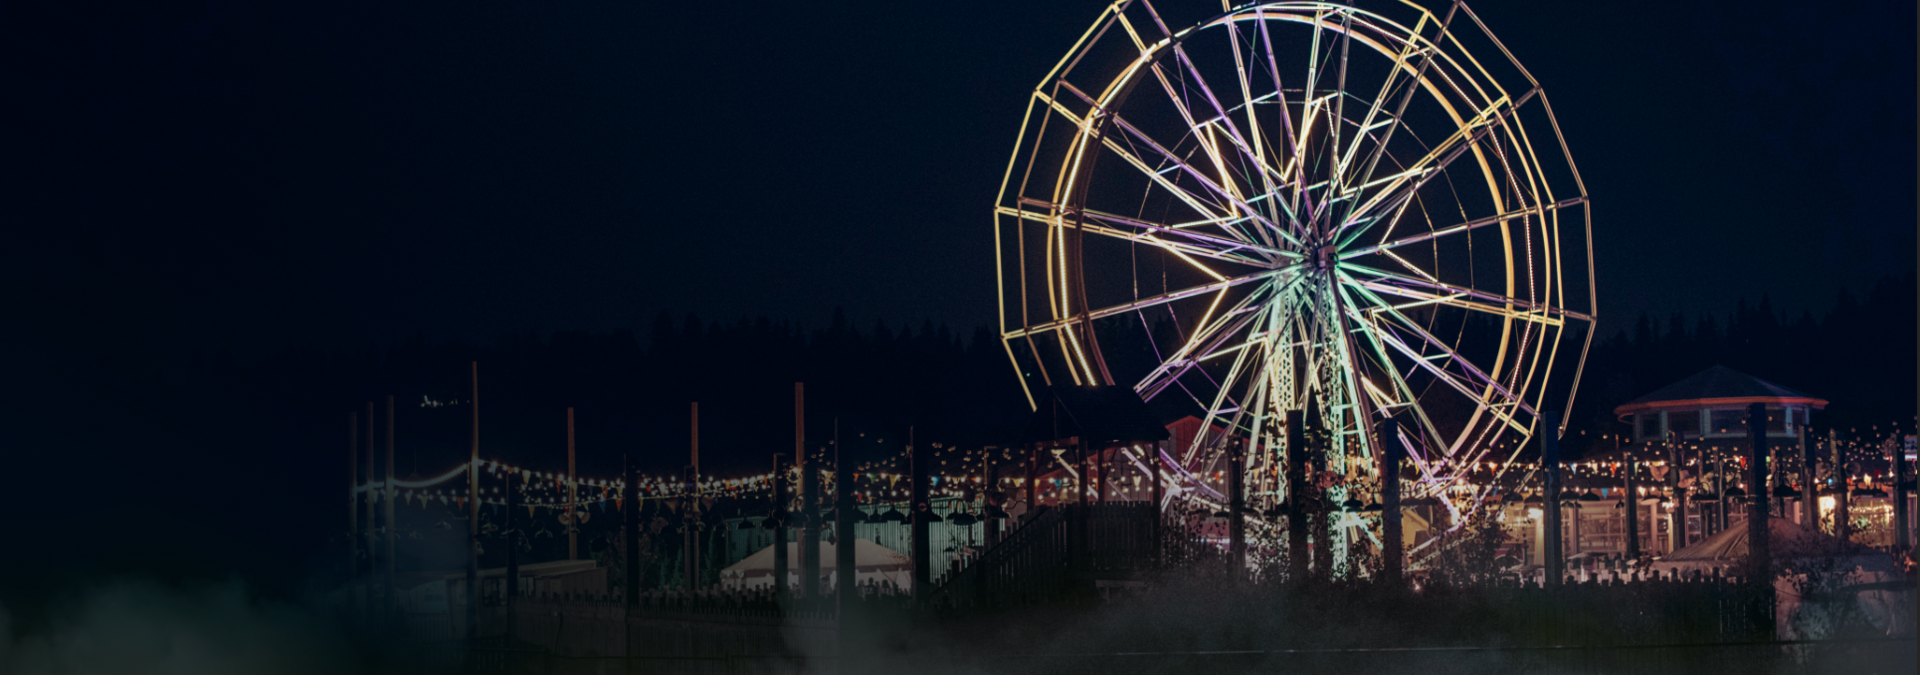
(617, 503)
(529, 510)
(603, 506)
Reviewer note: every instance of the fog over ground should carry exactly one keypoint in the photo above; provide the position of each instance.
(129, 627)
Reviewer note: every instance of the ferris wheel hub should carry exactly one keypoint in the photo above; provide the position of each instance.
(1326, 256)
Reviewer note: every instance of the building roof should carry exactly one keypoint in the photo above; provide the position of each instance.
(1094, 414)
(1718, 385)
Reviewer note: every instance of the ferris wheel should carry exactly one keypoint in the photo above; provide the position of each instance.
(1302, 207)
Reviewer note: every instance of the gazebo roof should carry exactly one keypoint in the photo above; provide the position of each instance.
(1718, 385)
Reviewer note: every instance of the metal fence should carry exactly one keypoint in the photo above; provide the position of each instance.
(1056, 553)
(1852, 657)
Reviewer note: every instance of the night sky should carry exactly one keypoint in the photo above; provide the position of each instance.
(241, 177)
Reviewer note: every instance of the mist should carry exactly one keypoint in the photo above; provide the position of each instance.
(137, 627)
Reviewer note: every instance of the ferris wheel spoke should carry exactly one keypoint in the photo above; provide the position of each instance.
(1427, 59)
(1452, 357)
(1422, 291)
(1188, 243)
(1466, 389)
(1242, 210)
(1144, 303)
(1273, 69)
(1400, 383)
(1185, 232)
(1206, 208)
(1224, 394)
(1201, 132)
(1170, 372)
(1221, 116)
(1270, 182)
(1436, 161)
(1468, 226)
(1336, 168)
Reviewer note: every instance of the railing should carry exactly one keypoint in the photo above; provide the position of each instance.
(1057, 553)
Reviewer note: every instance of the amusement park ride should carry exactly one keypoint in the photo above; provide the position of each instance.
(1310, 209)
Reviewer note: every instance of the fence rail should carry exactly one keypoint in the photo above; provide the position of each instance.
(1892, 655)
(1057, 553)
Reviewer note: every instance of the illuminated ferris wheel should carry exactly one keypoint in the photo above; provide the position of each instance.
(1302, 206)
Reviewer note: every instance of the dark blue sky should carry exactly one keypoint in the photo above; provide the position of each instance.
(261, 173)
(185, 179)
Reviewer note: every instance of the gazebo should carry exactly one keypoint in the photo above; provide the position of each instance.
(1700, 424)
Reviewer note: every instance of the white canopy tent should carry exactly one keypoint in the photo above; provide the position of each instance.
(871, 563)
(1807, 561)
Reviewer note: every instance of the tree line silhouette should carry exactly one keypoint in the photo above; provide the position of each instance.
(883, 382)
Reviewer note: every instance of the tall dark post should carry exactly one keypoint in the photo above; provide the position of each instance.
(810, 528)
(1633, 511)
(695, 496)
(1809, 497)
(473, 510)
(1033, 480)
(573, 496)
(1157, 476)
(844, 579)
(1319, 508)
(1842, 493)
(372, 530)
(843, 549)
(511, 536)
(1897, 460)
(1080, 486)
(389, 603)
(689, 538)
(1236, 509)
(917, 490)
(1759, 550)
(1387, 436)
(1758, 556)
(1719, 488)
(1079, 539)
(353, 507)
(1297, 553)
(809, 498)
(990, 493)
(776, 524)
(1678, 457)
(1550, 462)
(630, 532)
